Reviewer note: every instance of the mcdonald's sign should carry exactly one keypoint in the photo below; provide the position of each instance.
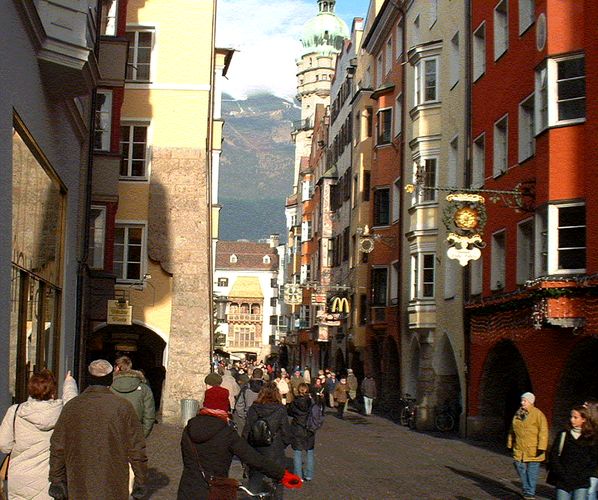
(340, 305)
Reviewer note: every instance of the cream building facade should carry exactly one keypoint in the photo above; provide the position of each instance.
(170, 137)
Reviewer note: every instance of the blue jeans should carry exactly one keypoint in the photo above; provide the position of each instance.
(593, 488)
(579, 494)
(528, 473)
(298, 464)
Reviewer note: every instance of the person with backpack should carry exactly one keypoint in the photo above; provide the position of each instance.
(307, 418)
(247, 396)
(267, 430)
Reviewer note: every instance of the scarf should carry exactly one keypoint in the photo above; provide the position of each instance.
(576, 432)
(522, 414)
(221, 414)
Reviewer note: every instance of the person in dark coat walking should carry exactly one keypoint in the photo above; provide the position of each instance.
(302, 438)
(209, 439)
(574, 457)
(268, 406)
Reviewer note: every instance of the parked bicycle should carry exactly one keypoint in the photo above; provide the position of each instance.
(447, 416)
(407, 415)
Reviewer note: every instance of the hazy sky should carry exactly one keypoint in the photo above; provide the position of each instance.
(266, 35)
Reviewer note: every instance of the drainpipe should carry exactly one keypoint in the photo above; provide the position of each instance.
(468, 174)
(209, 146)
(82, 270)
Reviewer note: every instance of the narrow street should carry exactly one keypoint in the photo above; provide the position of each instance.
(373, 458)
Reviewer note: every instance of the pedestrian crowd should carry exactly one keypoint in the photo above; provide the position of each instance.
(92, 445)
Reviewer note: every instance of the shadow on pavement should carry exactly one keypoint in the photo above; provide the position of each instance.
(490, 486)
(156, 480)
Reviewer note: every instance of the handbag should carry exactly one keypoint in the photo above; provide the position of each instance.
(6, 459)
(551, 477)
(219, 488)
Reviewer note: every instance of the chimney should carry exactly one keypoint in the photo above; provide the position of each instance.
(274, 240)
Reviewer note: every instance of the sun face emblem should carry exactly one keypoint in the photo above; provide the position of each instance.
(466, 218)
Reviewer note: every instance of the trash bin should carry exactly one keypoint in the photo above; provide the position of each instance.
(189, 409)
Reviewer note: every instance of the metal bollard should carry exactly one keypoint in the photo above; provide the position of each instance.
(189, 408)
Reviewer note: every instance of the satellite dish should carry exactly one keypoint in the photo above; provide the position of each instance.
(366, 245)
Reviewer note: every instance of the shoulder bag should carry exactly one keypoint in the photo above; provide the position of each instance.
(219, 488)
(6, 460)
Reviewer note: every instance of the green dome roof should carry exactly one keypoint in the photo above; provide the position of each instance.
(326, 32)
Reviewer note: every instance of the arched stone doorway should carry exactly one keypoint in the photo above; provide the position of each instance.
(448, 387)
(391, 382)
(142, 345)
(579, 380)
(504, 379)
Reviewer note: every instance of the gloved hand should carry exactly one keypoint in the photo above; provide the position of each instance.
(58, 491)
(291, 481)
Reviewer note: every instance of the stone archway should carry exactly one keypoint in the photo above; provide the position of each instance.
(447, 383)
(579, 380)
(504, 379)
(144, 346)
(391, 369)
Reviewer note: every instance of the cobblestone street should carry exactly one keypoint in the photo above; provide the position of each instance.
(373, 458)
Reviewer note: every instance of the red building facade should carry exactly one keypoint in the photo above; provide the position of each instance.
(532, 314)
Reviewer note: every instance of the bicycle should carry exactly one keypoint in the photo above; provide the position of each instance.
(407, 404)
(262, 495)
(446, 416)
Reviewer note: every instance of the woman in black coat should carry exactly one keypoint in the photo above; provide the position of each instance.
(302, 438)
(268, 406)
(211, 440)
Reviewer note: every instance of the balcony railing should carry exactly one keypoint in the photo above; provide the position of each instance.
(305, 124)
(244, 317)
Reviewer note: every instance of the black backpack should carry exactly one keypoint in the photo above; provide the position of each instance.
(260, 434)
(315, 417)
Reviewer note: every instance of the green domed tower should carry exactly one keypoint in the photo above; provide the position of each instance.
(326, 32)
(323, 39)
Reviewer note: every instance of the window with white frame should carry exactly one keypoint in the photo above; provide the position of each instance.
(501, 146)
(384, 126)
(396, 200)
(223, 282)
(428, 175)
(399, 39)
(478, 171)
(381, 207)
(103, 118)
(453, 161)
(567, 238)
(541, 98)
(526, 129)
(541, 242)
(266, 259)
(394, 283)
(415, 33)
(398, 114)
(134, 148)
(455, 63)
(423, 274)
(433, 12)
(497, 271)
(526, 14)
(129, 251)
(97, 236)
(379, 71)
(569, 77)
(379, 286)
(525, 251)
(367, 81)
(233, 259)
(475, 276)
(140, 55)
(426, 81)
(479, 51)
(501, 28)
(388, 55)
(306, 230)
(108, 17)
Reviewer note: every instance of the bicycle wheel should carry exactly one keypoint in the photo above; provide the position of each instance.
(444, 422)
(412, 418)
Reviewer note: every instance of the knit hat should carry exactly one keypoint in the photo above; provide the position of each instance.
(213, 379)
(216, 398)
(529, 396)
(100, 372)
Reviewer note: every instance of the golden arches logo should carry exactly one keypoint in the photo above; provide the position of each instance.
(340, 305)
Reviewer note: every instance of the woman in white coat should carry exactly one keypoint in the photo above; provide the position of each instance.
(29, 441)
